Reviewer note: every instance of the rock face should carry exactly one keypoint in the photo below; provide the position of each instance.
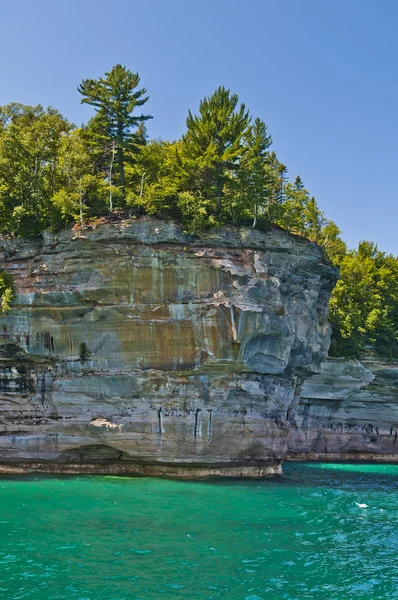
(197, 348)
(349, 411)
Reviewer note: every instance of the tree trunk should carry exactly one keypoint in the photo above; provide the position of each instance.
(81, 205)
(255, 216)
(110, 177)
(219, 187)
(120, 159)
(142, 184)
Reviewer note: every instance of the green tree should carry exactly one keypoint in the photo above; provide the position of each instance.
(277, 175)
(330, 239)
(251, 188)
(314, 220)
(79, 184)
(30, 139)
(213, 145)
(115, 97)
(156, 178)
(364, 304)
(295, 200)
(6, 291)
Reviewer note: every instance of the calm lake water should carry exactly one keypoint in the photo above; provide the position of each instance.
(294, 537)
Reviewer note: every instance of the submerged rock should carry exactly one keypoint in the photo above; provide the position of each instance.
(198, 348)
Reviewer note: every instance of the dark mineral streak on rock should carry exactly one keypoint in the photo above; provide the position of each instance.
(349, 411)
(196, 348)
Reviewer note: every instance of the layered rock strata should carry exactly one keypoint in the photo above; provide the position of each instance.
(198, 348)
(349, 411)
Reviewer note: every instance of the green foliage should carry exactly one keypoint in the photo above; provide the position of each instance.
(30, 140)
(196, 212)
(6, 291)
(156, 179)
(364, 304)
(221, 170)
(214, 144)
(81, 189)
(115, 131)
(84, 352)
(251, 188)
(329, 238)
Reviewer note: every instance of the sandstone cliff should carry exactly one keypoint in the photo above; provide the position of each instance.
(349, 411)
(198, 348)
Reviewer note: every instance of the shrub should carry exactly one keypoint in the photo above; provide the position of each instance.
(6, 291)
(84, 352)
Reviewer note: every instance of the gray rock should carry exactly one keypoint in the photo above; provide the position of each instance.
(349, 411)
(197, 348)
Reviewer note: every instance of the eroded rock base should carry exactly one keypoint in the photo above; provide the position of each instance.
(347, 412)
(194, 472)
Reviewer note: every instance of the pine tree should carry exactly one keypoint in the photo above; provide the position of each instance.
(282, 178)
(213, 143)
(115, 98)
(254, 182)
(314, 219)
(277, 172)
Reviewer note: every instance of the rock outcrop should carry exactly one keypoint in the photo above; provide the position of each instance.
(198, 348)
(349, 411)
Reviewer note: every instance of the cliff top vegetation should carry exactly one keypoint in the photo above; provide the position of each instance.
(221, 170)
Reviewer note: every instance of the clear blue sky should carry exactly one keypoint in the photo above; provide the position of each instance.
(323, 74)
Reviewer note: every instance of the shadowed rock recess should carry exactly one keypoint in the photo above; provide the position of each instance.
(198, 348)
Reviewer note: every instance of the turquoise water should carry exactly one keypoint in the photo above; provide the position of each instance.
(297, 537)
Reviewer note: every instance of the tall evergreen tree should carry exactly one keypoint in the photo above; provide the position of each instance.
(254, 182)
(282, 178)
(213, 143)
(278, 175)
(115, 97)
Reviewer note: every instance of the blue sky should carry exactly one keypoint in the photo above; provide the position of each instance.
(323, 74)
